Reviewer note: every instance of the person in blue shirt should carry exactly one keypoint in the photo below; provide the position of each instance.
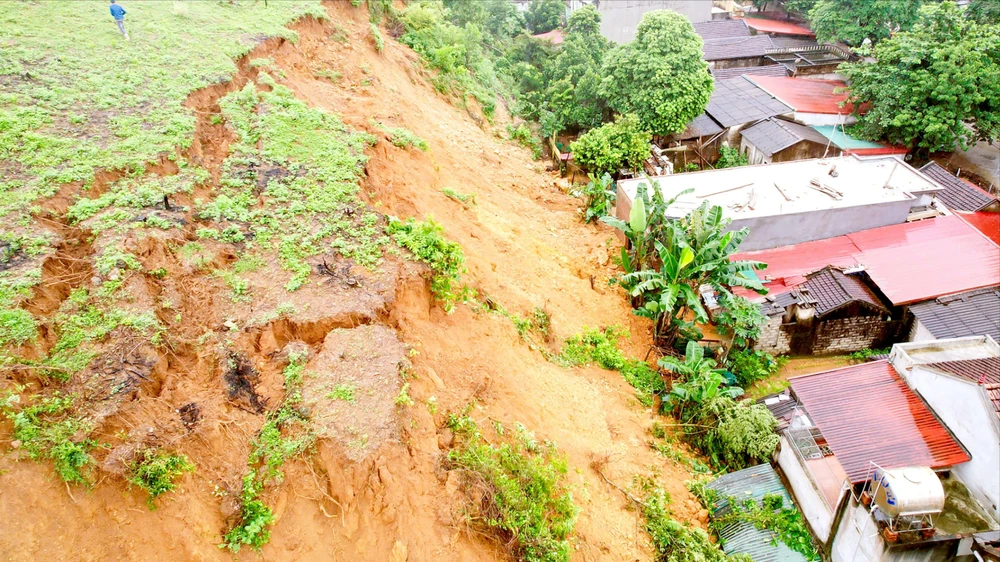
(118, 13)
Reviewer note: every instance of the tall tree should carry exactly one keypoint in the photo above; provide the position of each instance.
(853, 21)
(574, 78)
(660, 75)
(544, 15)
(986, 12)
(945, 77)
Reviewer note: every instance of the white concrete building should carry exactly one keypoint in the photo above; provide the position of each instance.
(792, 202)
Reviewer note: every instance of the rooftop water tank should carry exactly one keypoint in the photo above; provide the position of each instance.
(905, 492)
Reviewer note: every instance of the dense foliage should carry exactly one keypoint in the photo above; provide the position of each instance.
(730, 158)
(545, 15)
(853, 21)
(771, 514)
(675, 542)
(445, 258)
(750, 366)
(600, 197)
(985, 12)
(945, 77)
(601, 347)
(660, 75)
(613, 146)
(519, 485)
(741, 318)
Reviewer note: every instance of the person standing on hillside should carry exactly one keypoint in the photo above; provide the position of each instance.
(118, 13)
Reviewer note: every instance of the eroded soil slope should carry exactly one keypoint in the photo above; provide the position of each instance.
(375, 488)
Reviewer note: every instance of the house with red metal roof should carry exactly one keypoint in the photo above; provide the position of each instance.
(814, 102)
(776, 28)
(960, 380)
(874, 471)
(898, 266)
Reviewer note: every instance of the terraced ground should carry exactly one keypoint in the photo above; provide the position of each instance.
(250, 263)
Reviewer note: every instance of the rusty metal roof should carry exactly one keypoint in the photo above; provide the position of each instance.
(763, 25)
(807, 95)
(867, 414)
(984, 370)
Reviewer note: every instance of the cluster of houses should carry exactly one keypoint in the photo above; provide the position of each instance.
(896, 459)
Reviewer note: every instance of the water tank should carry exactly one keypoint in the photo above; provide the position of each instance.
(901, 492)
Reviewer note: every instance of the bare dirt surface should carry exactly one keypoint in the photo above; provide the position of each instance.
(375, 489)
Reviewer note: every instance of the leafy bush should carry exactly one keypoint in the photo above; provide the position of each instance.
(445, 258)
(154, 470)
(751, 366)
(525, 502)
(730, 158)
(862, 355)
(48, 429)
(613, 146)
(601, 347)
(522, 136)
(600, 197)
(741, 318)
(673, 541)
(770, 514)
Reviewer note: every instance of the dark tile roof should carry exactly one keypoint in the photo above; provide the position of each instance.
(832, 288)
(702, 126)
(868, 414)
(781, 406)
(972, 313)
(721, 29)
(985, 370)
(825, 290)
(730, 73)
(957, 195)
(774, 135)
(739, 101)
(737, 47)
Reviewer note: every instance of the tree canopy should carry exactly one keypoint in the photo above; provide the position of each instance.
(574, 77)
(612, 146)
(945, 74)
(986, 12)
(853, 21)
(543, 15)
(659, 76)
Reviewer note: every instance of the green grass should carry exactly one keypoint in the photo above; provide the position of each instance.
(601, 347)
(523, 499)
(49, 429)
(155, 471)
(463, 198)
(343, 392)
(402, 137)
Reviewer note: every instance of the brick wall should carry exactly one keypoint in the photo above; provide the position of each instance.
(773, 339)
(841, 335)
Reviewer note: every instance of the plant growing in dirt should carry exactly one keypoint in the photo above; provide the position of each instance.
(445, 258)
(49, 429)
(733, 435)
(730, 158)
(646, 224)
(155, 471)
(522, 499)
(750, 366)
(599, 195)
(601, 347)
(741, 318)
(692, 252)
(673, 541)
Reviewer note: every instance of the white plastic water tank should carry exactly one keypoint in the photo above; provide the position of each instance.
(901, 492)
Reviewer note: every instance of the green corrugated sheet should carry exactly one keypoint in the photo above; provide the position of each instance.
(754, 482)
(842, 140)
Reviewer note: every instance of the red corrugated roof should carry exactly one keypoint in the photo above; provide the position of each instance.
(909, 262)
(780, 27)
(985, 222)
(881, 151)
(806, 95)
(867, 414)
(555, 36)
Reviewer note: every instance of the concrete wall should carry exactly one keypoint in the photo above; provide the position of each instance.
(807, 496)
(858, 539)
(772, 338)
(963, 408)
(793, 228)
(619, 18)
(802, 150)
(918, 332)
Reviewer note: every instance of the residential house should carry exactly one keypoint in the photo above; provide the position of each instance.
(734, 104)
(752, 483)
(776, 28)
(620, 18)
(844, 143)
(860, 435)
(777, 140)
(833, 311)
(721, 74)
(814, 102)
(953, 316)
(804, 60)
(959, 194)
(960, 380)
(793, 202)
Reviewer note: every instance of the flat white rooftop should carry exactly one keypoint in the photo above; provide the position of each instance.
(801, 186)
(955, 349)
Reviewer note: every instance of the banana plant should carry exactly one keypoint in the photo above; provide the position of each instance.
(646, 222)
(700, 380)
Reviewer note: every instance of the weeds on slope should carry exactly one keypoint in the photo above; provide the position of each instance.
(674, 541)
(285, 435)
(155, 471)
(49, 429)
(445, 258)
(522, 499)
(601, 347)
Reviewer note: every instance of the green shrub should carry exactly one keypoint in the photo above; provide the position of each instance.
(672, 541)
(612, 146)
(751, 366)
(733, 435)
(865, 354)
(155, 470)
(49, 430)
(730, 158)
(741, 318)
(600, 198)
(17, 326)
(522, 136)
(601, 347)
(445, 258)
(526, 504)
(770, 514)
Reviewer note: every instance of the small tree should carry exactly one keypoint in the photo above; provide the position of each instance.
(612, 146)
(945, 75)
(659, 76)
(544, 15)
(853, 21)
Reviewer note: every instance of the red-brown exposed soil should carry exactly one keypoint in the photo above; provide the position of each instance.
(385, 497)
